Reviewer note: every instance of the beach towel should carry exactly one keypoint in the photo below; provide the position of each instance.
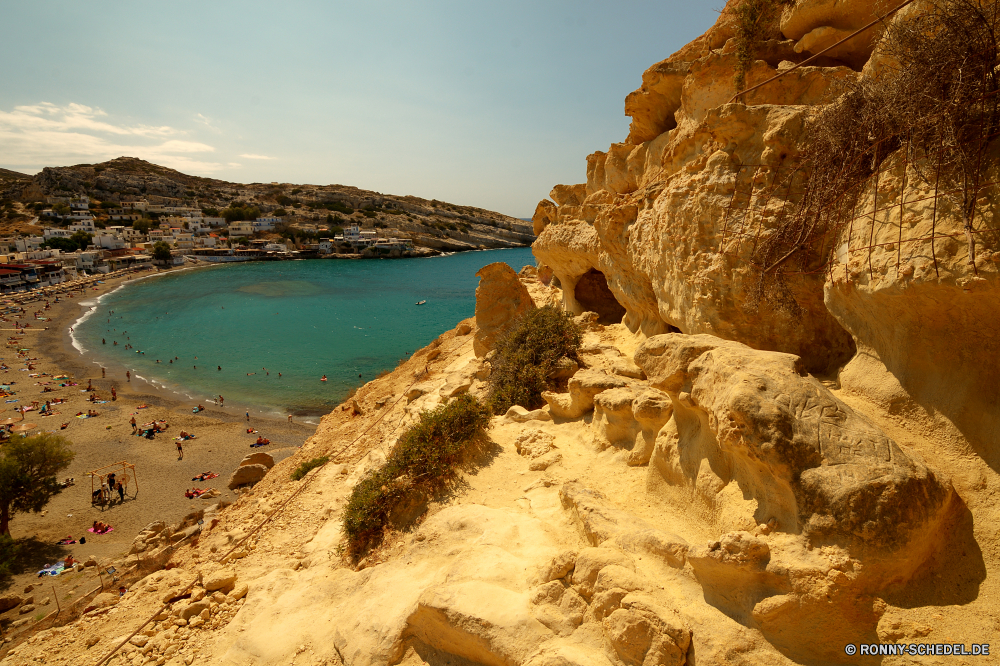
(255, 445)
(83, 416)
(110, 529)
(143, 407)
(53, 569)
(14, 400)
(100, 402)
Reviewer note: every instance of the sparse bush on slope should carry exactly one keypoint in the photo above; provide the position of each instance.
(424, 460)
(525, 356)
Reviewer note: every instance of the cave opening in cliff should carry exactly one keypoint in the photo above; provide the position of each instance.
(593, 295)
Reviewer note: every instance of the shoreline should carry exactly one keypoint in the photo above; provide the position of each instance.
(83, 359)
(170, 388)
(221, 439)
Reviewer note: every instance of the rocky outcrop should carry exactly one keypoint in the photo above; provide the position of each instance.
(659, 218)
(582, 388)
(736, 495)
(631, 421)
(258, 458)
(246, 475)
(670, 218)
(813, 464)
(922, 316)
(9, 600)
(500, 300)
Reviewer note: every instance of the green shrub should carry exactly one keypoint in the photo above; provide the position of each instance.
(308, 466)
(424, 459)
(340, 207)
(526, 354)
(236, 212)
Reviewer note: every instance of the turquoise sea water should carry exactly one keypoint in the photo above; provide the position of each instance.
(303, 319)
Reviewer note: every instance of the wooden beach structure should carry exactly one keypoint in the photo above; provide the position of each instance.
(100, 475)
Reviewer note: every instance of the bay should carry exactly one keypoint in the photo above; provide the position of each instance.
(275, 328)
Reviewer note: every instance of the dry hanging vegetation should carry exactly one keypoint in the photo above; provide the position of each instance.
(936, 98)
(755, 21)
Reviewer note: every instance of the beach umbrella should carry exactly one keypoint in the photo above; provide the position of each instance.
(25, 427)
(9, 422)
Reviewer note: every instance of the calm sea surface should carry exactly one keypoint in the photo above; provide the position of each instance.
(302, 319)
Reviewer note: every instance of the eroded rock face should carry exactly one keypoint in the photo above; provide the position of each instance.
(657, 218)
(645, 634)
(258, 458)
(812, 463)
(500, 300)
(582, 387)
(627, 420)
(924, 318)
(658, 247)
(246, 475)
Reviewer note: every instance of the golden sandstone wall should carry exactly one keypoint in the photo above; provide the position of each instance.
(659, 217)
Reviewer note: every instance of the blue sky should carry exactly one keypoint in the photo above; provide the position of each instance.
(483, 104)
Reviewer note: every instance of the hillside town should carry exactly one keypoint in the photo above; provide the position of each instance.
(82, 241)
(130, 204)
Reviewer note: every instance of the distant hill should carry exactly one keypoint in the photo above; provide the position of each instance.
(7, 176)
(430, 223)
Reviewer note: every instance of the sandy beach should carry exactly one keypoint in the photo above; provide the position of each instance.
(157, 490)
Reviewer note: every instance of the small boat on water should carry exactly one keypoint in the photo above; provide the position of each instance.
(421, 302)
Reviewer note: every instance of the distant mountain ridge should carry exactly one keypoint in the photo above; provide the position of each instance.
(430, 223)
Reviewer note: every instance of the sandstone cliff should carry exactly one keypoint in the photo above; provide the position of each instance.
(729, 478)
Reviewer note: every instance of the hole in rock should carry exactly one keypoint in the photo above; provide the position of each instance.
(593, 294)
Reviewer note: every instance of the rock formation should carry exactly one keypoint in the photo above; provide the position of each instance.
(503, 300)
(727, 476)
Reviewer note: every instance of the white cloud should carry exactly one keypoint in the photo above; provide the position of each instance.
(207, 122)
(251, 156)
(44, 134)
